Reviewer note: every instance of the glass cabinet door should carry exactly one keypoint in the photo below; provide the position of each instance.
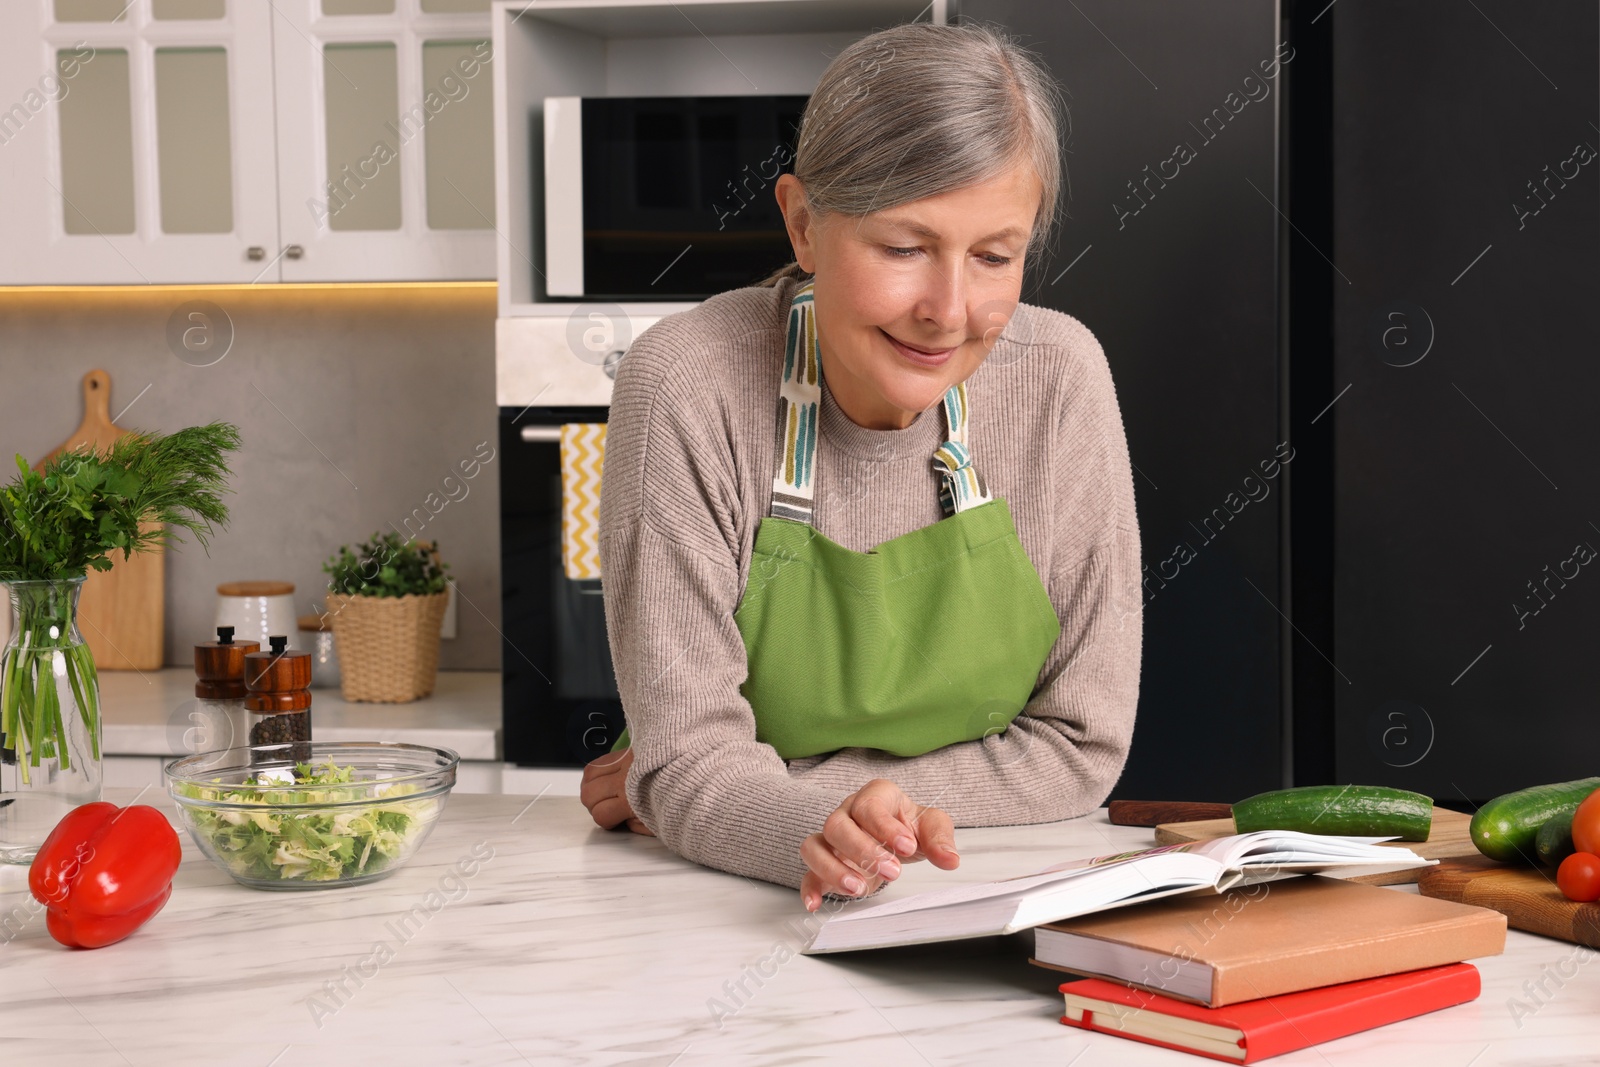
(140, 149)
(385, 139)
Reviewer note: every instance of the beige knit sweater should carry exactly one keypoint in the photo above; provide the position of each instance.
(688, 476)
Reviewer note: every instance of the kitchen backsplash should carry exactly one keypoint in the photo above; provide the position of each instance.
(360, 408)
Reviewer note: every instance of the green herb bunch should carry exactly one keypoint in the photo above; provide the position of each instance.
(388, 565)
(58, 524)
(63, 521)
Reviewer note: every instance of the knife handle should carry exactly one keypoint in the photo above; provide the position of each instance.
(1155, 812)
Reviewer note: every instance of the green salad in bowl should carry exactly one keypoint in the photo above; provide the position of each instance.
(353, 812)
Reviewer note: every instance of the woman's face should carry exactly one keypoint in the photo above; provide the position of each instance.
(910, 299)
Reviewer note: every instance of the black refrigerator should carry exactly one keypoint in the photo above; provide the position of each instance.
(1366, 233)
(1465, 214)
(1168, 250)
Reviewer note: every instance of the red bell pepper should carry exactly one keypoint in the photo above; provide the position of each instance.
(104, 871)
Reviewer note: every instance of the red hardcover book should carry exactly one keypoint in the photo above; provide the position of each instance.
(1253, 1030)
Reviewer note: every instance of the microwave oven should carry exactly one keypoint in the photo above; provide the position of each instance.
(664, 198)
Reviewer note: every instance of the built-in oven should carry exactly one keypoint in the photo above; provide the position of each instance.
(560, 701)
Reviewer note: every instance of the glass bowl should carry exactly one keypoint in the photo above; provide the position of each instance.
(247, 811)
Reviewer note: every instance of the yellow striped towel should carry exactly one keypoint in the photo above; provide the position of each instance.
(583, 453)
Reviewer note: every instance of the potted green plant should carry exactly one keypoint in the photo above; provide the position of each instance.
(386, 599)
(56, 524)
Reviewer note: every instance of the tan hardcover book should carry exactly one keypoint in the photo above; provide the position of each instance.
(1270, 938)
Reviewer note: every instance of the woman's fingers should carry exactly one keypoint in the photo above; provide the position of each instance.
(839, 874)
(811, 891)
(611, 812)
(604, 791)
(830, 873)
(826, 864)
(936, 839)
(848, 839)
(610, 809)
(597, 785)
(812, 887)
(877, 808)
(855, 852)
(610, 763)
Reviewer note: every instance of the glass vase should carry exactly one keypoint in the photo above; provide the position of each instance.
(49, 717)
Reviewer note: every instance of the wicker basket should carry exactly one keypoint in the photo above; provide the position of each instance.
(388, 646)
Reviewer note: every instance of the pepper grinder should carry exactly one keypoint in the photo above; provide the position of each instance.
(221, 722)
(279, 704)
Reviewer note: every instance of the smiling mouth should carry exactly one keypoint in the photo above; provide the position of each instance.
(918, 354)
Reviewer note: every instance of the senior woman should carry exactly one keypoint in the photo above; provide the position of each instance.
(867, 529)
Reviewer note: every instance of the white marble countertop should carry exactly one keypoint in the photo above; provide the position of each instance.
(145, 713)
(570, 945)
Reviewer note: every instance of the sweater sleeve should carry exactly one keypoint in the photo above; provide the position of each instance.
(699, 779)
(1063, 753)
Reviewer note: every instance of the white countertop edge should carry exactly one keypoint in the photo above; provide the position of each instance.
(147, 713)
(467, 742)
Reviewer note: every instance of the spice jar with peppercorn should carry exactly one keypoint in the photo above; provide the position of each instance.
(279, 703)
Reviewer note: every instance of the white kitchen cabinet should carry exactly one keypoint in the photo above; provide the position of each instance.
(135, 149)
(197, 141)
(385, 139)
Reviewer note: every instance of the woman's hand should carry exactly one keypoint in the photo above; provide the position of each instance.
(604, 792)
(863, 841)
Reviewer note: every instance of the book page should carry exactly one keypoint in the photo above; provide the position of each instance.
(1198, 848)
(1168, 865)
(1273, 847)
(1191, 863)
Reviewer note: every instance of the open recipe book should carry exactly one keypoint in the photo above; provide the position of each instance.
(1079, 887)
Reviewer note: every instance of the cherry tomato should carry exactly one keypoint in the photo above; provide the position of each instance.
(1579, 877)
(1586, 825)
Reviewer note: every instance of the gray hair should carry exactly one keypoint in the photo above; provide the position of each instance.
(920, 109)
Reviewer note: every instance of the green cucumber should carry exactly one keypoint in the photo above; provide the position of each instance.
(1507, 828)
(1553, 843)
(1356, 810)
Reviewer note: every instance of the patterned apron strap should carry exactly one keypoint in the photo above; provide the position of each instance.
(960, 487)
(800, 401)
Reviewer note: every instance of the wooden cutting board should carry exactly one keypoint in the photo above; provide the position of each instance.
(122, 611)
(1528, 898)
(1450, 839)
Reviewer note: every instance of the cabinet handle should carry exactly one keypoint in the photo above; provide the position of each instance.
(294, 251)
(255, 252)
(613, 358)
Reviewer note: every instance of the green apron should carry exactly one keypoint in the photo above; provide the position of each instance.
(934, 637)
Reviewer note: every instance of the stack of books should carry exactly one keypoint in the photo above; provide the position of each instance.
(1218, 947)
(1259, 972)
